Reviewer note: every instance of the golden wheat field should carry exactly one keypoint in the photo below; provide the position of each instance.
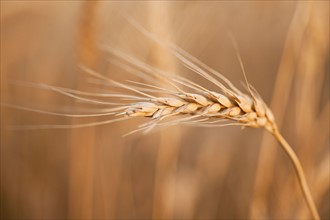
(83, 135)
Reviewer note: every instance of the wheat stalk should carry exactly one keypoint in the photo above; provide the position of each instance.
(165, 107)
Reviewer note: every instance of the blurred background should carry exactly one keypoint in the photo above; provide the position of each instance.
(175, 173)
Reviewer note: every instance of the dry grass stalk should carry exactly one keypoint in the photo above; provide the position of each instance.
(192, 104)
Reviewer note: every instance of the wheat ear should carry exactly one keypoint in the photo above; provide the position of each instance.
(197, 107)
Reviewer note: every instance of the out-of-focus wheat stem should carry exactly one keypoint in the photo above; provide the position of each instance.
(299, 170)
(279, 102)
(168, 151)
(82, 161)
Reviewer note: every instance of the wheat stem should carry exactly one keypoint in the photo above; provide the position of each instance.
(299, 171)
